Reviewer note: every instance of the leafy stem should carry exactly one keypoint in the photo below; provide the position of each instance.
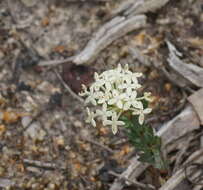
(146, 142)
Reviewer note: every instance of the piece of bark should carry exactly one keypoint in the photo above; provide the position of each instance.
(114, 29)
(172, 77)
(179, 176)
(111, 31)
(134, 170)
(43, 165)
(183, 123)
(191, 72)
(132, 7)
(197, 102)
(183, 185)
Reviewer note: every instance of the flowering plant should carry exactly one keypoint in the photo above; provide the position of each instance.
(115, 95)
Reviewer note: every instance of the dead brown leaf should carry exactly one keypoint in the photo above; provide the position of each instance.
(2, 129)
(45, 21)
(12, 117)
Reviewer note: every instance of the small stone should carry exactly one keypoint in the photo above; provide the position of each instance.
(35, 132)
(52, 186)
(72, 154)
(77, 124)
(29, 105)
(85, 134)
(34, 170)
(26, 121)
(60, 141)
(67, 147)
(47, 87)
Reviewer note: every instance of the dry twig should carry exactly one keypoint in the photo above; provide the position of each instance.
(191, 72)
(109, 32)
(134, 182)
(100, 145)
(43, 165)
(179, 176)
(73, 94)
(130, 7)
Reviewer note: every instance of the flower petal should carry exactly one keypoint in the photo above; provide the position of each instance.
(120, 104)
(93, 123)
(127, 105)
(114, 129)
(147, 110)
(141, 118)
(107, 122)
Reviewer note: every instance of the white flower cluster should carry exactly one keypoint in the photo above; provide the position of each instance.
(116, 92)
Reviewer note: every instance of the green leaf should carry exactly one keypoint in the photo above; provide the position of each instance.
(147, 157)
(145, 103)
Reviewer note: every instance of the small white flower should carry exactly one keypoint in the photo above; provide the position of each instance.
(104, 97)
(148, 96)
(115, 90)
(126, 69)
(104, 113)
(91, 99)
(90, 118)
(101, 81)
(114, 122)
(119, 68)
(117, 99)
(130, 100)
(129, 86)
(141, 113)
(131, 77)
(85, 91)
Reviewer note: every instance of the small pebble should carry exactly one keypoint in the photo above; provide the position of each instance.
(35, 132)
(60, 141)
(77, 124)
(26, 121)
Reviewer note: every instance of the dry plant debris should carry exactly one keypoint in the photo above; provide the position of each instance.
(44, 142)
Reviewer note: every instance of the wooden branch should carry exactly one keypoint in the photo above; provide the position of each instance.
(183, 123)
(175, 79)
(99, 144)
(111, 31)
(197, 102)
(114, 29)
(132, 7)
(73, 94)
(179, 176)
(134, 183)
(191, 72)
(43, 165)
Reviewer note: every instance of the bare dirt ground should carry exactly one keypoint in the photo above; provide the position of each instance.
(44, 141)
